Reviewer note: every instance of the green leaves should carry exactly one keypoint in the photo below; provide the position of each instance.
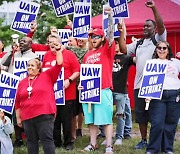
(45, 19)
(6, 32)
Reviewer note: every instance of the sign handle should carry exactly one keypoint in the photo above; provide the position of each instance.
(89, 107)
(147, 104)
(67, 17)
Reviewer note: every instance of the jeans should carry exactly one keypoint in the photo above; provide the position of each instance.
(121, 101)
(128, 118)
(40, 128)
(164, 116)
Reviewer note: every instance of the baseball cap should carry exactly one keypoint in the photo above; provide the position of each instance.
(97, 31)
(67, 27)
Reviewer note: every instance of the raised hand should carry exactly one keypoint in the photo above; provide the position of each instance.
(150, 4)
(108, 10)
(33, 26)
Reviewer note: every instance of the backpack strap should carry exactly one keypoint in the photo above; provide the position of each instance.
(153, 40)
(140, 42)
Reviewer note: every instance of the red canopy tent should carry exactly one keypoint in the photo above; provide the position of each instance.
(170, 12)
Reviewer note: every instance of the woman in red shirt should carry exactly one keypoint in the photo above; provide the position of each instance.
(35, 104)
(2, 53)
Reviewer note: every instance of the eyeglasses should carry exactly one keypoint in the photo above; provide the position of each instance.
(96, 36)
(161, 48)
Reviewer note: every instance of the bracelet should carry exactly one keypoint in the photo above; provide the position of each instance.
(70, 80)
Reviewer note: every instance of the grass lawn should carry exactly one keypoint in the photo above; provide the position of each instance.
(126, 148)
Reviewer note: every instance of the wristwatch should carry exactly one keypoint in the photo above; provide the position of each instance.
(70, 80)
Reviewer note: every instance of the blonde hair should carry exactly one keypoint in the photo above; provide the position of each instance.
(55, 36)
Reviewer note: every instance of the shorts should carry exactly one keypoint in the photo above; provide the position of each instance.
(141, 115)
(101, 114)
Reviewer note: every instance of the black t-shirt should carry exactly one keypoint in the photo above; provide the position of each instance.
(121, 66)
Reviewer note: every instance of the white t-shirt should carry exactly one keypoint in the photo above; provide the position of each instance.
(171, 81)
(144, 52)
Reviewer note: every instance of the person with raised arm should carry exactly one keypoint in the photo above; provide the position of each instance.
(103, 50)
(143, 50)
(64, 112)
(35, 103)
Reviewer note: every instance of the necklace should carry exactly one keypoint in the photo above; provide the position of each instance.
(30, 88)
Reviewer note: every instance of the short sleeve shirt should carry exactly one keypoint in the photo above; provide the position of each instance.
(143, 52)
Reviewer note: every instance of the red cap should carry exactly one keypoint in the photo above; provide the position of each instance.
(67, 27)
(97, 31)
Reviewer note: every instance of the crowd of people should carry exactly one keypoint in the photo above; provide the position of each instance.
(37, 115)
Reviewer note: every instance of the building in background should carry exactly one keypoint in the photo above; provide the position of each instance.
(7, 11)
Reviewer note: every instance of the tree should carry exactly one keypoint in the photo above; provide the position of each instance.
(6, 32)
(47, 18)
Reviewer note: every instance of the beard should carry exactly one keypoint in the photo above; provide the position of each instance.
(97, 44)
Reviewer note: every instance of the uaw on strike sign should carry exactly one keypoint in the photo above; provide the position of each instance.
(8, 86)
(59, 89)
(90, 80)
(64, 34)
(20, 67)
(120, 8)
(26, 13)
(40, 55)
(153, 79)
(82, 19)
(63, 7)
(105, 23)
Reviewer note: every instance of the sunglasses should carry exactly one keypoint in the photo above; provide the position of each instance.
(96, 36)
(161, 48)
(80, 40)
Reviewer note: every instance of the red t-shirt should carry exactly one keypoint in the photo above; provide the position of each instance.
(2, 54)
(37, 47)
(103, 55)
(70, 64)
(42, 99)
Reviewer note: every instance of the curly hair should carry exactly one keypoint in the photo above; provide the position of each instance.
(169, 55)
